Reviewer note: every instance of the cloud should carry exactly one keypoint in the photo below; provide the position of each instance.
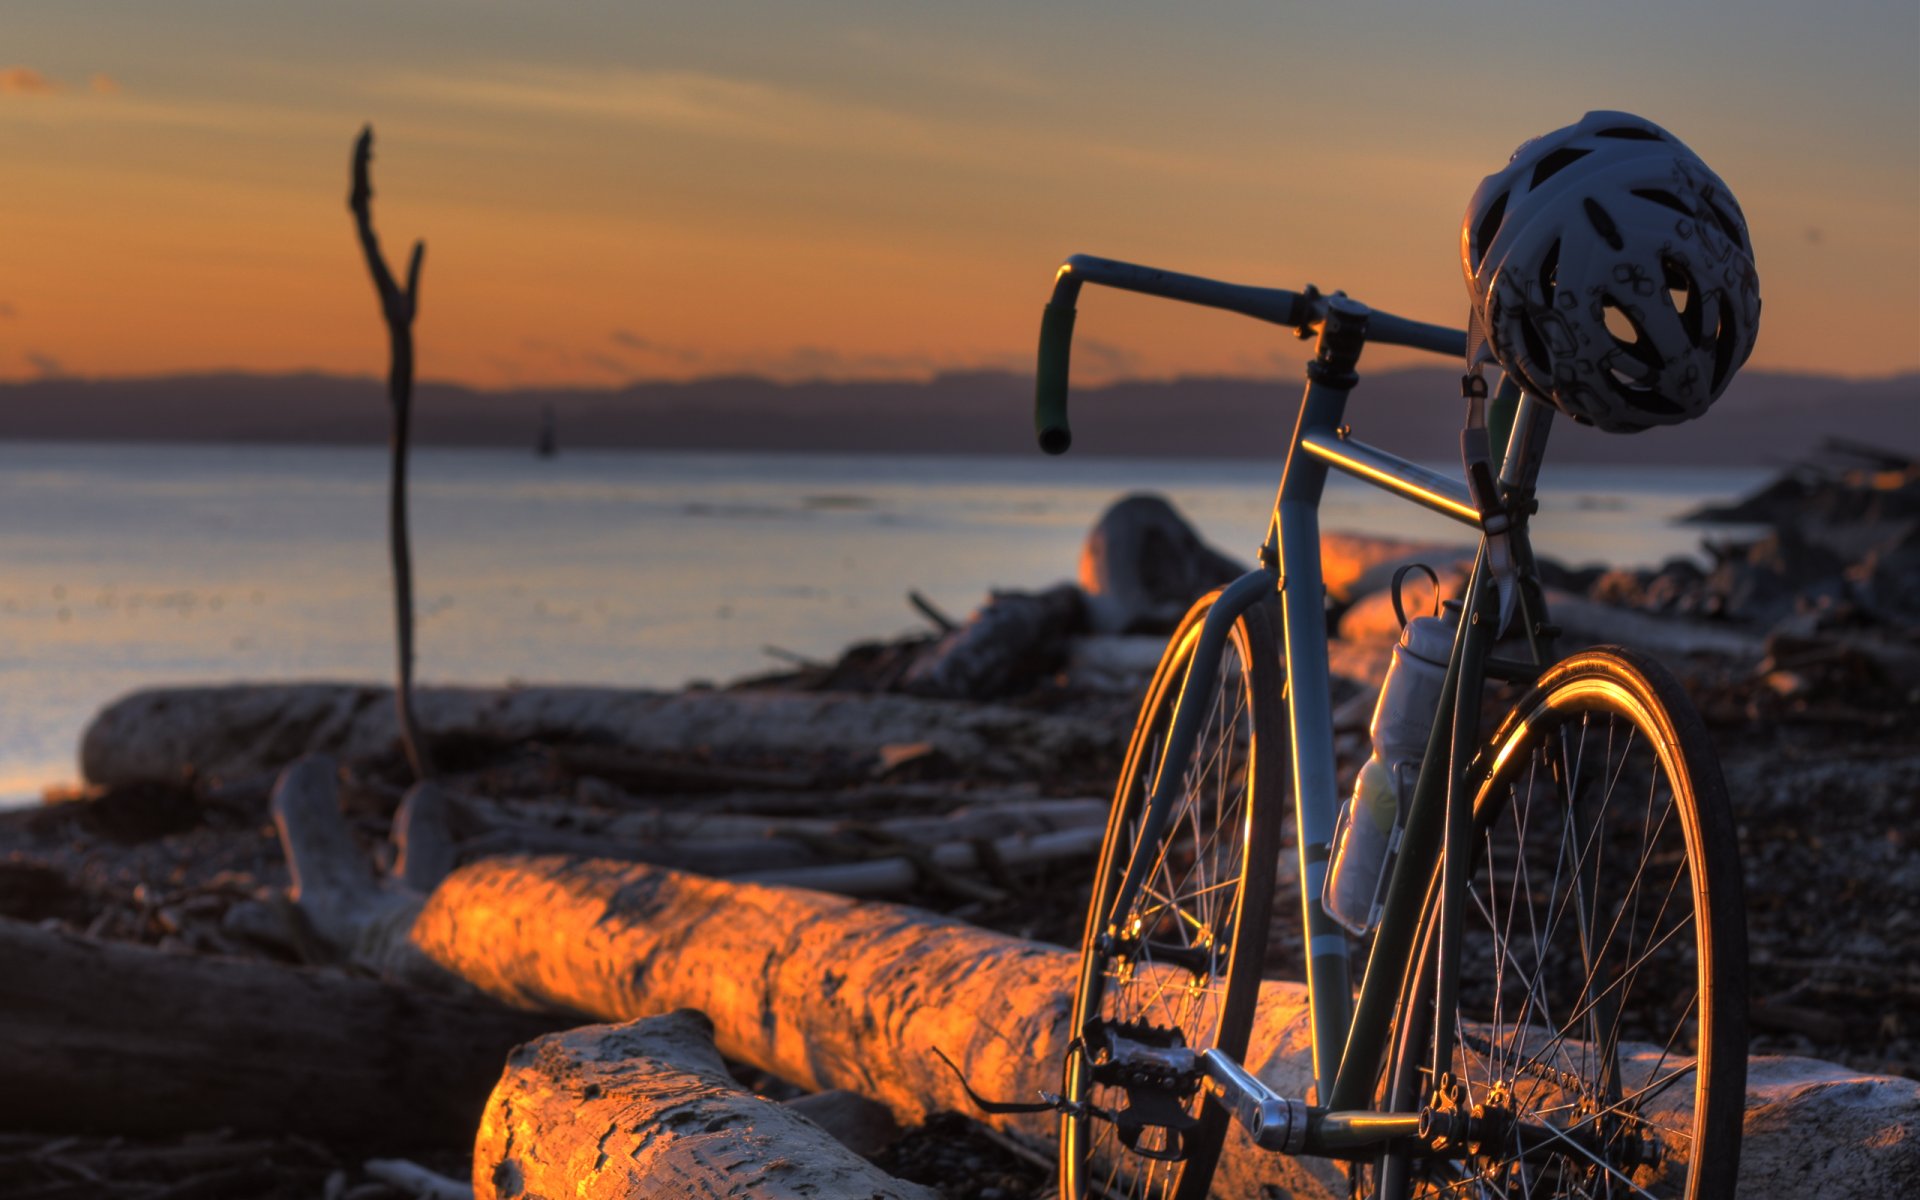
(25, 81)
(1105, 358)
(48, 366)
(752, 111)
(103, 84)
(633, 341)
(8, 311)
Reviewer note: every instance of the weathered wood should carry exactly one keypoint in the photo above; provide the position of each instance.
(1586, 623)
(423, 838)
(1125, 664)
(1142, 565)
(850, 857)
(1013, 639)
(342, 904)
(116, 1038)
(398, 308)
(647, 1109)
(826, 992)
(245, 729)
(1354, 565)
(415, 1180)
(992, 818)
(899, 873)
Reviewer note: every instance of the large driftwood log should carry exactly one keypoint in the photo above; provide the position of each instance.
(247, 729)
(1125, 664)
(829, 993)
(1354, 565)
(987, 817)
(622, 1112)
(1142, 565)
(123, 1039)
(1583, 622)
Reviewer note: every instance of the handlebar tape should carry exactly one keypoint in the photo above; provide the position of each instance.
(1050, 382)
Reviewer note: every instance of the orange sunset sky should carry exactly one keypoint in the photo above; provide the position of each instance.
(840, 189)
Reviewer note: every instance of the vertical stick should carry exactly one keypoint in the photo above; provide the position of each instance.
(398, 307)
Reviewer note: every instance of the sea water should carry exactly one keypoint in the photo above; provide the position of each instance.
(127, 566)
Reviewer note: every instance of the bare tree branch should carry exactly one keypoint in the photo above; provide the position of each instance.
(398, 308)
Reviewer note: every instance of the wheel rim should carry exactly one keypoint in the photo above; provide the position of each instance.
(1584, 964)
(1180, 935)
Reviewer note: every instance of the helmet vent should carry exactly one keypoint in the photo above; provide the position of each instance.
(1603, 224)
(1736, 232)
(1666, 198)
(1619, 324)
(1550, 272)
(1630, 338)
(1537, 357)
(1724, 343)
(1554, 163)
(1488, 226)
(1631, 133)
(1684, 295)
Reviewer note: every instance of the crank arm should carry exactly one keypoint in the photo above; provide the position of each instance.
(1273, 1121)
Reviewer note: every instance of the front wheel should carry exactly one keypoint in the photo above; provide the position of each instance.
(1599, 1042)
(1183, 962)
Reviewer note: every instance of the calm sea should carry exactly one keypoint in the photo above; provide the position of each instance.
(127, 566)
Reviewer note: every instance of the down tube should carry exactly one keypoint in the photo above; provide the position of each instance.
(1310, 722)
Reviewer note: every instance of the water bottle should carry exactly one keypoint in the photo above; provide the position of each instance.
(1368, 832)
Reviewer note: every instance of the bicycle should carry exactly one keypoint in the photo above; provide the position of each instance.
(1553, 999)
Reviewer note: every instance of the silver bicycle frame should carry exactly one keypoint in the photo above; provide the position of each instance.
(1291, 567)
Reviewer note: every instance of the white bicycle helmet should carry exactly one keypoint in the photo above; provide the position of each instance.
(1612, 273)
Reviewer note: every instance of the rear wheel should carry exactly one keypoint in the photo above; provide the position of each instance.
(1183, 963)
(1599, 1042)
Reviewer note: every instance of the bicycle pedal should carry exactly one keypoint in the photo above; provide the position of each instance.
(1138, 1055)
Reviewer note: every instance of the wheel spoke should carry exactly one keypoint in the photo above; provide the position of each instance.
(1198, 890)
(1585, 954)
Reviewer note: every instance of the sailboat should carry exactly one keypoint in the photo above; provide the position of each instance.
(549, 439)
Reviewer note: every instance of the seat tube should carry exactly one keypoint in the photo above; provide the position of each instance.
(1296, 533)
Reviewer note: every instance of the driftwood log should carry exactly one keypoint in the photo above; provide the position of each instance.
(827, 993)
(1583, 622)
(1013, 639)
(647, 1109)
(1142, 565)
(245, 730)
(115, 1038)
(1353, 565)
(853, 857)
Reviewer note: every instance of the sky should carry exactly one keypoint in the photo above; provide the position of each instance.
(844, 189)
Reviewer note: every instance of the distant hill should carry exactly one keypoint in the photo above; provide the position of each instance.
(1768, 417)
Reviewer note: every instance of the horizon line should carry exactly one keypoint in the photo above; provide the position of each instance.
(749, 377)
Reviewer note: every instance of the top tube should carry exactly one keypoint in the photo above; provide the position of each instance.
(1297, 310)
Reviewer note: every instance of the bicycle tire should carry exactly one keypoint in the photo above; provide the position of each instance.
(1571, 1015)
(1212, 886)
